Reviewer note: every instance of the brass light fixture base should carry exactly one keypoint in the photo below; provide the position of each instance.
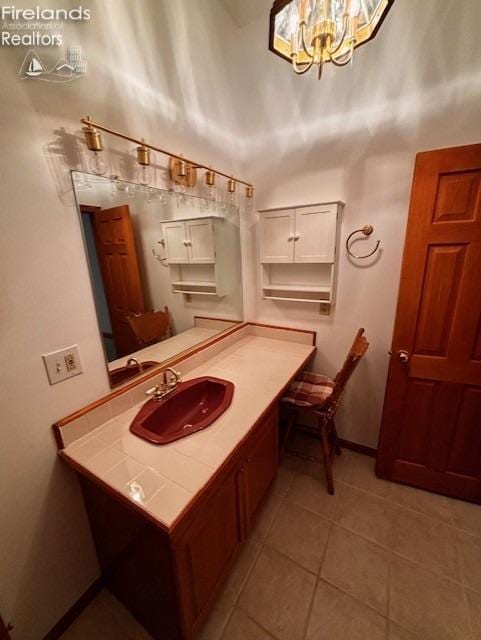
(178, 167)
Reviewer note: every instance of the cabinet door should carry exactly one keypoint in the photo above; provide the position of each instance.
(176, 245)
(315, 234)
(277, 236)
(200, 234)
(261, 465)
(208, 548)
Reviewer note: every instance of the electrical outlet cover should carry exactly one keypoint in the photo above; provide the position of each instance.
(62, 364)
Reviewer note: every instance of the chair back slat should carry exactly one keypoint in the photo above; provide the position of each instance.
(356, 352)
(150, 327)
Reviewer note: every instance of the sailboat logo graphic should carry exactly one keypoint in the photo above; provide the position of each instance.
(35, 68)
(64, 70)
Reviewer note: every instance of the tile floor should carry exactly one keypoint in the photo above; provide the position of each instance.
(375, 562)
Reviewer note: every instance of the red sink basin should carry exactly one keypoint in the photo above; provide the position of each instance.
(193, 406)
(122, 374)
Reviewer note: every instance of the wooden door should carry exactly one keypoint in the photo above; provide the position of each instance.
(115, 245)
(176, 242)
(431, 427)
(315, 234)
(277, 236)
(260, 466)
(200, 238)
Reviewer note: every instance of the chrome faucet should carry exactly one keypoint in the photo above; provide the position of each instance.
(132, 361)
(170, 380)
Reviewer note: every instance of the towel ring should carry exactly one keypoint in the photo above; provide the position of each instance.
(367, 231)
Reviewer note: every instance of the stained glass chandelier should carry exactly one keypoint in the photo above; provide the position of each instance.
(313, 32)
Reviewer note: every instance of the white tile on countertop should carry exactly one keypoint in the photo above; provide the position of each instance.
(119, 476)
(104, 461)
(170, 463)
(87, 448)
(143, 487)
(168, 503)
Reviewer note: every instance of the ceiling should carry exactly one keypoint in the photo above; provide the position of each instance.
(245, 11)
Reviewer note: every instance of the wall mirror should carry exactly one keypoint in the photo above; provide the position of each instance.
(165, 270)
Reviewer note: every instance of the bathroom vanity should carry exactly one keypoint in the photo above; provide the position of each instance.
(168, 521)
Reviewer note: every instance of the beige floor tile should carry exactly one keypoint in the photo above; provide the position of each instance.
(266, 516)
(105, 619)
(474, 602)
(311, 493)
(396, 632)
(429, 605)
(470, 556)
(336, 616)
(364, 513)
(300, 534)
(241, 569)
(283, 481)
(241, 627)
(425, 502)
(357, 566)
(466, 516)
(360, 473)
(425, 540)
(278, 594)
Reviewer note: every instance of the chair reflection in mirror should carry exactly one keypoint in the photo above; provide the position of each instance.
(150, 327)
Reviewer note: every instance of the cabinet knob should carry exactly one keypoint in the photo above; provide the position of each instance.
(290, 238)
(296, 237)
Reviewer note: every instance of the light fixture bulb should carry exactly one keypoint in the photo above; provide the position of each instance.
(145, 174)
(97, 163)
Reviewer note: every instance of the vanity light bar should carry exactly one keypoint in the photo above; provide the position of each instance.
(95, 126)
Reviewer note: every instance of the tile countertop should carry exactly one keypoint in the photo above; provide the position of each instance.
(164, 479)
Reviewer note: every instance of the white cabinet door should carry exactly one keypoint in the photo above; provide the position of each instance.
(277, 236)
(176, 244)
(200, 234)
(315, 234)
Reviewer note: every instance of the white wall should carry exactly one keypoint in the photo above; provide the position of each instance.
(184, 74)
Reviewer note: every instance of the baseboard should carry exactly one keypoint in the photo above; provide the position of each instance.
(75, 610)
(358, 448)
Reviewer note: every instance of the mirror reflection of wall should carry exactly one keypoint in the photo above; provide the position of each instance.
(165, 270)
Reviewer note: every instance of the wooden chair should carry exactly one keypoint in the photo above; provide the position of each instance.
(150, 327)
(321, 396)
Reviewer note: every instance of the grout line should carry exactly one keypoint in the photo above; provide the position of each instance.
(316, 584)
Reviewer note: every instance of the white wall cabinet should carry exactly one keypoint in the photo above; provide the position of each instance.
(200, 254)
(298, 252)
(190, 241)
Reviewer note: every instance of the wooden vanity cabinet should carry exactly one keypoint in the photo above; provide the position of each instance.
(169, 579)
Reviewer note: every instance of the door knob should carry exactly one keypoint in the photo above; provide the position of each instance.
(403, 356)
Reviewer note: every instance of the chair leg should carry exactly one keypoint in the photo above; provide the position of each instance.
(292, 420)
(337, 446)
(326, 452)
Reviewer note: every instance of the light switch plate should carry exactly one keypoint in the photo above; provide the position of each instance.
(63, 364)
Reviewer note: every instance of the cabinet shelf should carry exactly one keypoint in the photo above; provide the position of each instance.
(300, 288)
(288, 299)
(193, 283)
